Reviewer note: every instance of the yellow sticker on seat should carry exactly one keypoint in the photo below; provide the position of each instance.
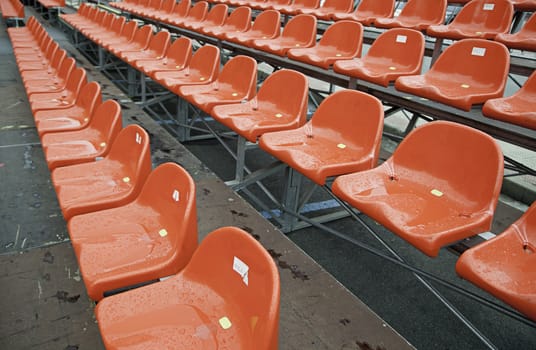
(338, 55)
(392, 68)
(341, 145)
(202, 78)
(436, 192)
(234, 94)
(178, 67)
(278, 115)
(225, 323)
(465, 86)
(126, 179)
(103, 144)
(162, 232)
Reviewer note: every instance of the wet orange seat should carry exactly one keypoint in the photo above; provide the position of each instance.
(341, 40)
(396, 52)
(237, 22)
(477, 19)
(300, 31)
(330, 144)
(468, 72)
(197, 13)
(158, 44)
(163, 217)
(99, 37)
(440, 185)
(416, 14)
(280, 104)
(236, 82)
(139, 41)
(524, 39)
(367, 11)
(504, 265)
(176, 58)
(227, 294)
(216, 16)
(267, 25)
(520, 108)
(328, 8)
(126, 36)
(182, 10)
(53, 82)
(203, 69)
(84, 145)
(72, 118)
(111, 182)
(164, 11)
(296, 6)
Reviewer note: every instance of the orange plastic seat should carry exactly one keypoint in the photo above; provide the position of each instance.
(54, 83)
(211, 302)
(300, 31)
(108, 183)
(99, 37)
(203, 69)
(163, 217)
(396, 52)
(280, 104)
(328, 8)
(441, 185)
(139, 41)
(150, 9)
(477, 19)
(47, 71)
(126, 36)
(84, 145)
(267, 25)
(177, 57)
(72, 118)
(268, 5)
(236, 82)
(520, 108)
(104, 27)
(158, 44)
(504, 265)
(524, 39)
(61, 99)
(35, 51)
(41, 62)
(468, 72)
(341, 41)
(330, 144)
(416, 14)
(238, 21)
(367, 11)
(296, 6)
(215, 17)
(164, 12)
(197, 13)
(182, 9)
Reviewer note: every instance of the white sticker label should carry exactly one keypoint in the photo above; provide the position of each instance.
(242, 269)
(401, 39)
(478, 51)
(176, 196)
(138, 138)
(488, 7)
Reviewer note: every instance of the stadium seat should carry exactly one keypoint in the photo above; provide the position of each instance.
(477, 19)
(328, 8)
(504, 265)
(441, 185)
(150, 9)
(269, 4)
(71, 118)
(237, 22)
(228, 294)
(163, 217)
(468, 72)
(108, 183)
(341, 41)
(520, 108)
(52, 83)
(396, 52)
(367, 11)
(197, 13)
(524, 39)
(203, 69)
(416, 14)
(158, 45)
(330, 144)
(280, 104)
(215, 17)
(177, 57)
(267, 25)
(139, 41)
(126, 36)
(165, 11)
(236, 82)
(296, 6)
(300, 31)
(84, 145)
(115, 31)
(182, 10)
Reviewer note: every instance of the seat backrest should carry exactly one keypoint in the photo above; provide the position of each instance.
(128, 31)
(240, 18)
(131, 148)
(286, 91)
(268, 22)
(168, 6)
(181, 51)
(107, 20)
(429, 11)
(493, 15)
(482, 61)
(66, 67)
(106, 119)
(117, 24)
(154, 4)
(456, 158)
(217, 15)
(99, 16)
(206, 60)
(170, 190)
(308, 4)
(143, 35)
(89, 97)
(240, 270)
(525, 226)
(182, 8)
(160, 42)
(77, 79)
(338, 5)
(529, 88)
(345, 36)
(240, 75)
(353, 117)
(198, 12)
(402, 46)
(58, 58)
(530, 24)
(301, 27)
(378, 8)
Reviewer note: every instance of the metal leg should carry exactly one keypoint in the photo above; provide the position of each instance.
(437, 50)
(143, 88)
(183, 133)
(131, 81)
(290, 198)
(240, 158)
